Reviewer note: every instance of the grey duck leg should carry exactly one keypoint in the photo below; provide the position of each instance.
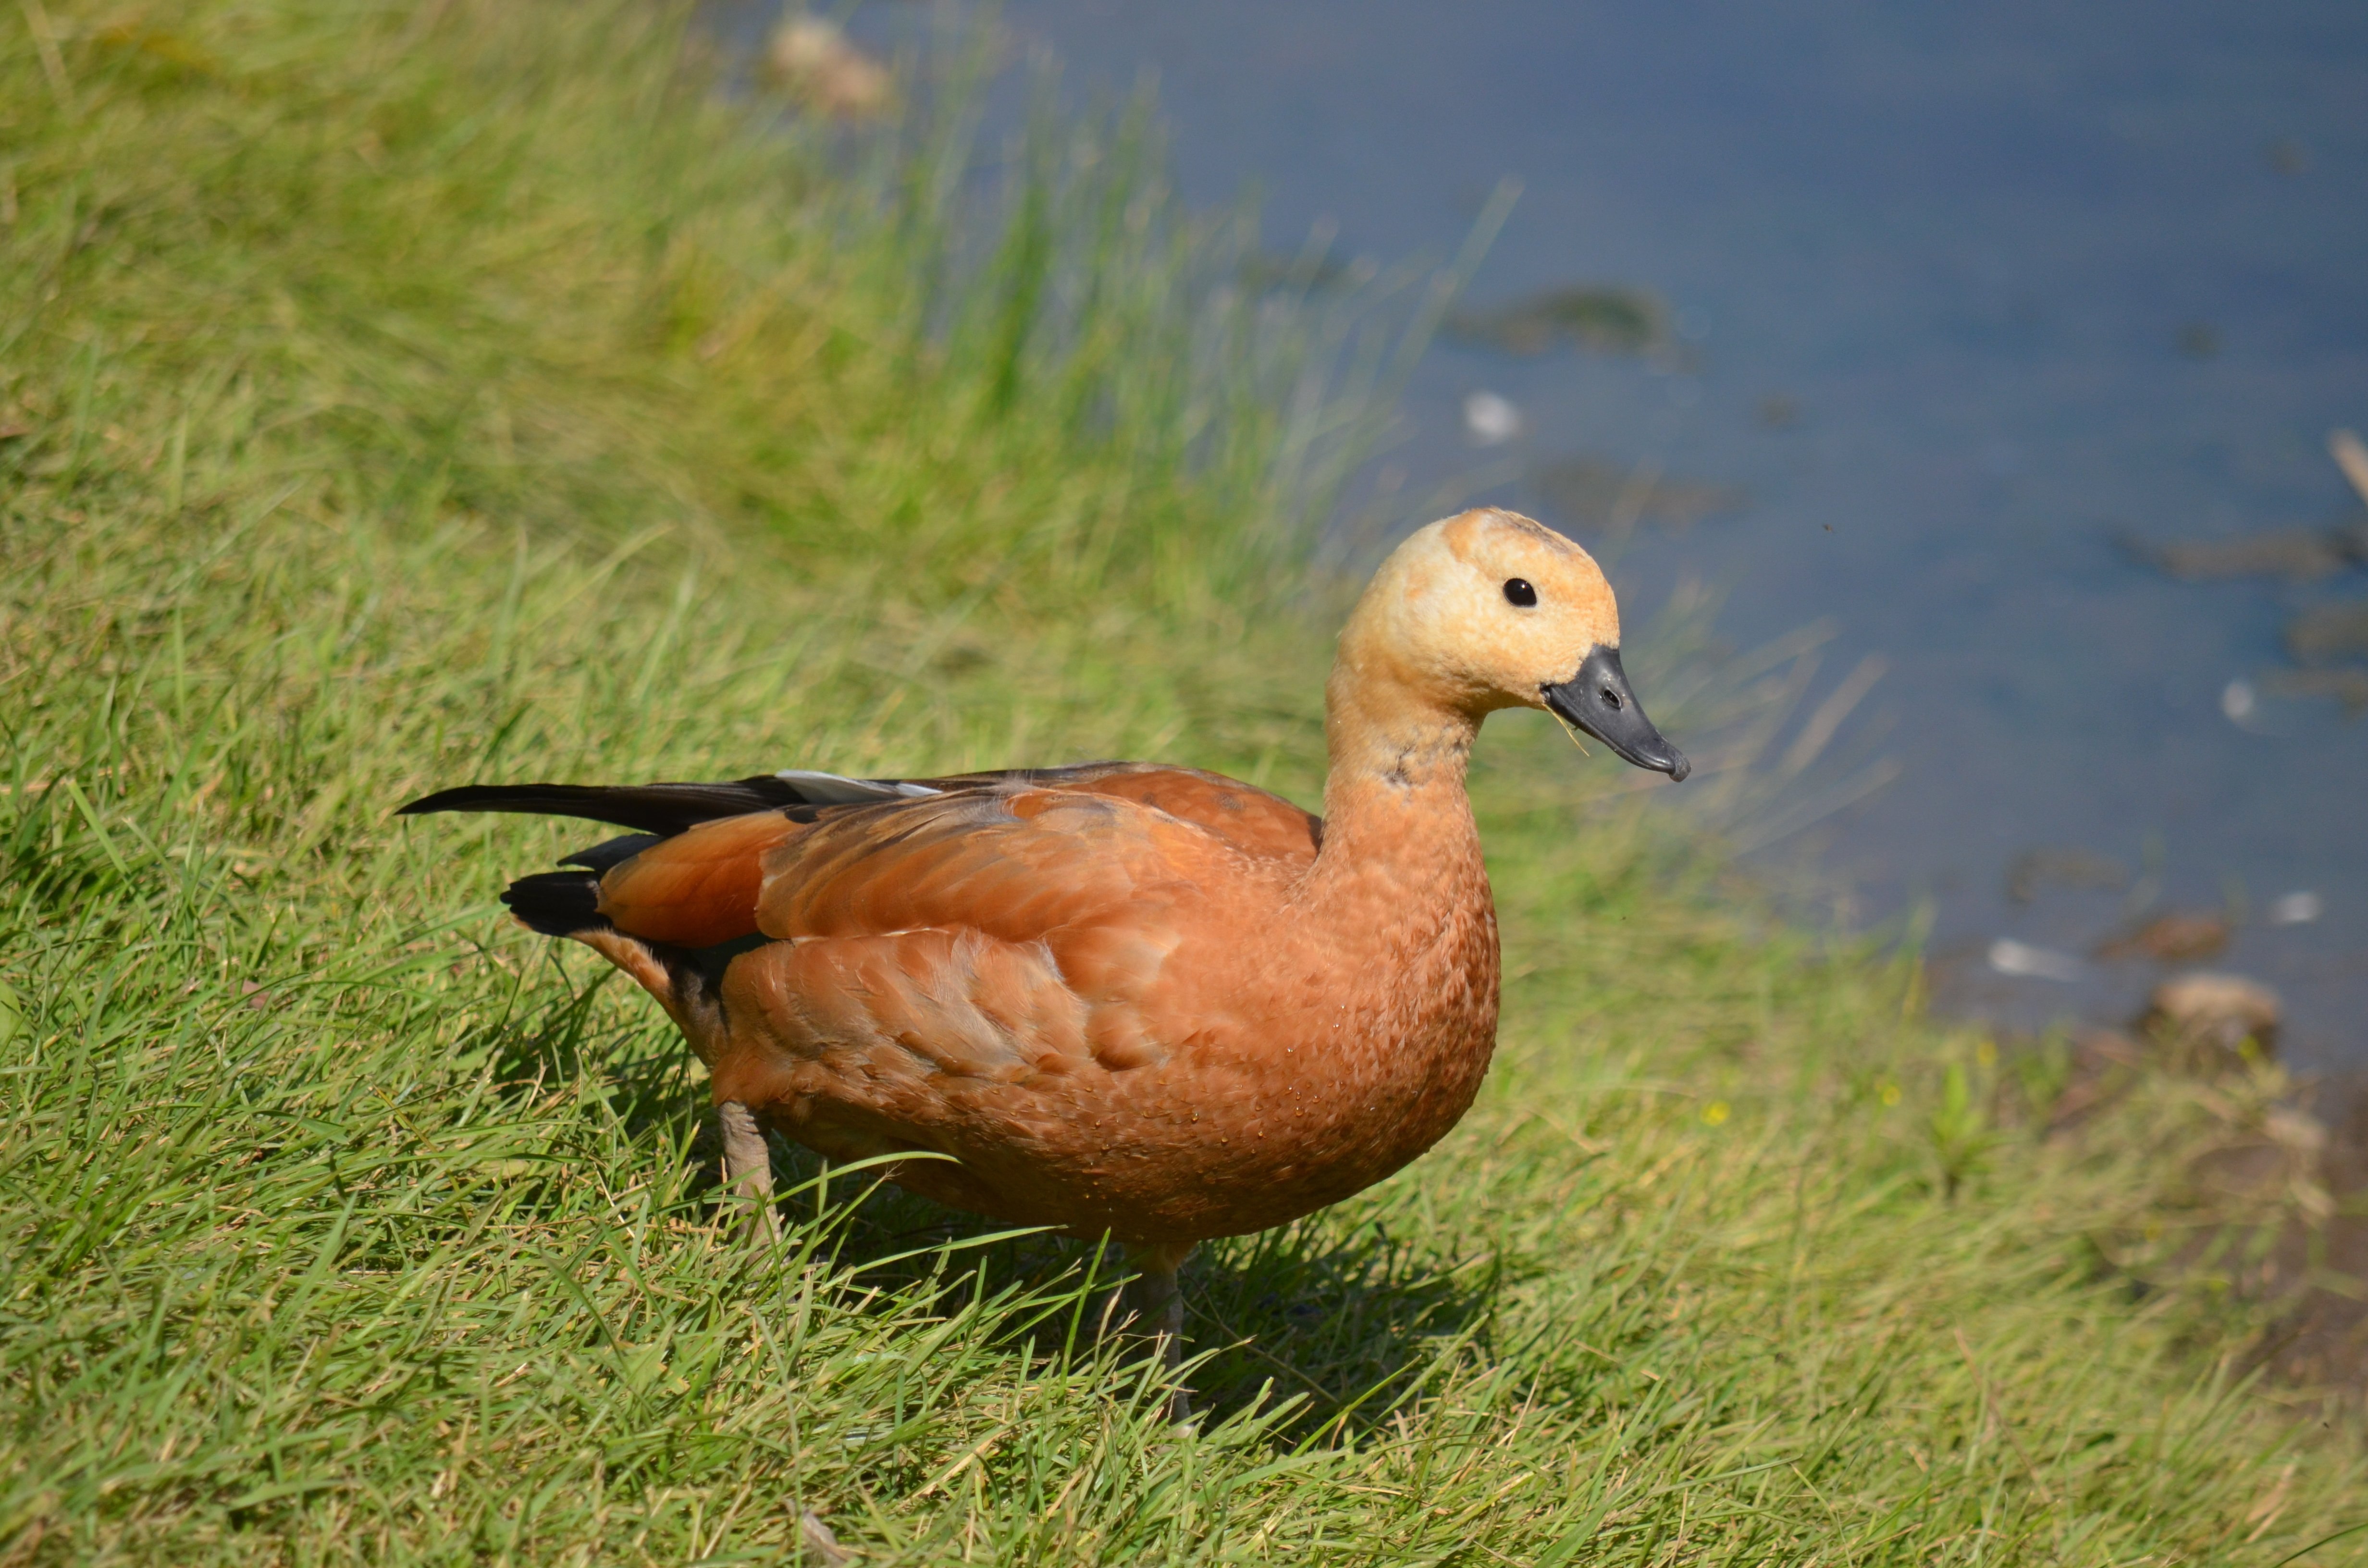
(1153, 1305)
(748, 1170)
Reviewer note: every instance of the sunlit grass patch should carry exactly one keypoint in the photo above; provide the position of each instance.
(409, 395)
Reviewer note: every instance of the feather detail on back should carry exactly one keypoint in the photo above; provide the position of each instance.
(691, 876)
(700, 887)
(860, 964)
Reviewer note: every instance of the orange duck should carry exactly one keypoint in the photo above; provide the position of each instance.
(1121, 999)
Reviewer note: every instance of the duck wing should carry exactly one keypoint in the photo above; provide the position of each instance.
(1044, 975)
(694, 875)
(1261, 825)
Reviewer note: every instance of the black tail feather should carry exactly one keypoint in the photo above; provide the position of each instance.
(662, 809)
(557, 903)
(610, 852)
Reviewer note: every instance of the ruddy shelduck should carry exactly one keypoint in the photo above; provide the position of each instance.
(1121, 999)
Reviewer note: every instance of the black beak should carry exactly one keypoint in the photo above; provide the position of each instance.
(1597, 700)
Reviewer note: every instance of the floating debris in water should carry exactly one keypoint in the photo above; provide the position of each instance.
(2298, 908)
(2346, 685)
(1778, 412)
(2172, 939)
(811, 58)
(2328, 632)
(1607, 318)
(1590, 492)
(2065, 867)
(2022, 960)
(1491, 419)
(2238, 699)
(2298, 553)
(2199, 340)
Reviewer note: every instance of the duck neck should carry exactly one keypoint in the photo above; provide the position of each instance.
(1399, 840)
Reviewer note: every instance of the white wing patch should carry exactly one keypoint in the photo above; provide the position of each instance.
(835, 790)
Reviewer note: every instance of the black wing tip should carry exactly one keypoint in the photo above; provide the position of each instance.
(441, 801)
(610, 854)
(663, 809)
(557, 903)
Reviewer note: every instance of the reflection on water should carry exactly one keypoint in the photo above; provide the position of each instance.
(2009, 337)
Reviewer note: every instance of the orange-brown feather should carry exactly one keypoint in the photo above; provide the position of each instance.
(1084, 985)
(1263, 827)
(699, 888)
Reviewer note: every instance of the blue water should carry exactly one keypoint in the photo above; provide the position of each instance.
(2031, 275)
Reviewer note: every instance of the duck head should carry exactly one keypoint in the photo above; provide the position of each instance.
(1489, 609)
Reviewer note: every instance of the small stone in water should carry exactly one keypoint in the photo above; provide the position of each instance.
(812, 57)
(2033, 869)
(1605, 318)
(2328, 632)
(2174, 938)
(1492, 419)
(2298, 553)
(2347, 684)
(2009, 956)
(2222, 1010)
(2297, 908)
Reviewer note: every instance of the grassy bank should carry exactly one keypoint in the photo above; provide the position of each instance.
(455, 392)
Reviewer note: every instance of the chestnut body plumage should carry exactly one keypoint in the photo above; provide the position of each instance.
(1116, 1016)
(1120, 999)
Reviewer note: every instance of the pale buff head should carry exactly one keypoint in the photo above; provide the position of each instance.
(1488, 609)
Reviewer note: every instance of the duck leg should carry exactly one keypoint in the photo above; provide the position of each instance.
(749, 1169)
(1156, 1306)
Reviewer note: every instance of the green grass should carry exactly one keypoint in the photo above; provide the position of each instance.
(405, 395)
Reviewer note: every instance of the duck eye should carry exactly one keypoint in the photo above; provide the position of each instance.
(1518, 591)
